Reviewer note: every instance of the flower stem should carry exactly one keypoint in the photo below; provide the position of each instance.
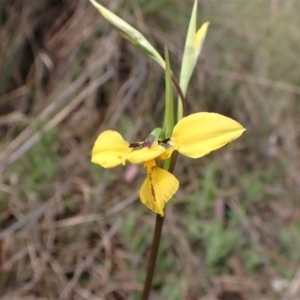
(153, 255)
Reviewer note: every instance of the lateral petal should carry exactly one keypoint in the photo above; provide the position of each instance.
(110, 149)
(198, 134)
(158, 188)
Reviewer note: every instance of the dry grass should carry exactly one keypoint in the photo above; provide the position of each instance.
(71, 230)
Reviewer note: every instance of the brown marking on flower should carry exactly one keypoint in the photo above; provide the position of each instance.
(151, 184)
(152, 192)
(136, 146)
(164, 141)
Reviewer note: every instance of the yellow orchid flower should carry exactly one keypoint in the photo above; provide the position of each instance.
(194, 136)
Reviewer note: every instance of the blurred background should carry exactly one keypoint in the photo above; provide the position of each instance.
(73, 230)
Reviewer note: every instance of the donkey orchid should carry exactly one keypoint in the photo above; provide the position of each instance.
(194, 136)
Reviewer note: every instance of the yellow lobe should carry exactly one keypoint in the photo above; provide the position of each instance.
(145, 154)
(110, 149)
(198, 134)
(158, 188)
(200, 37)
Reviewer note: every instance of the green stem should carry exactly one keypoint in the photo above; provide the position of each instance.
(155, 242)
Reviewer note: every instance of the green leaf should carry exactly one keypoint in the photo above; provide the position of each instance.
(129, 33)
(193, 45)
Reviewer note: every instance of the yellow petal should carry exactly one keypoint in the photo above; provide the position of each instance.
(145, 154)
(158, 188)
(110, 149)
(198, 134)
